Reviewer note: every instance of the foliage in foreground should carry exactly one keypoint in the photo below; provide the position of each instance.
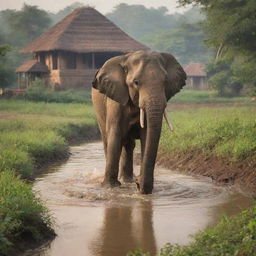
(227, 132)
(33, 134)
(232, 236)
(21, 213)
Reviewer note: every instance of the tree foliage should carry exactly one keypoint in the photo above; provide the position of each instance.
(18, 28)
(179, 34)
(186, 42)
(139, 21)
(231, 31)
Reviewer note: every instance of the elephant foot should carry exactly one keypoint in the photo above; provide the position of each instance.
(144, 188)
(110, 183)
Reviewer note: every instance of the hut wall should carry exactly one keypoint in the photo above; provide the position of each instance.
(69, 78)
(196, 83)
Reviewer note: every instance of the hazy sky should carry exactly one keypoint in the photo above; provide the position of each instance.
(103, 6)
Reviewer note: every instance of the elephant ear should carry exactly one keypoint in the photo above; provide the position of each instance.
(176, 75)
(110, 80)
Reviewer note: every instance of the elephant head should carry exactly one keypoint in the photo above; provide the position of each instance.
(147, 80)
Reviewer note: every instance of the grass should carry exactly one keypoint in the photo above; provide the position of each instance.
(32, 135)
(226, 132)
(235, 236)
(194, 96)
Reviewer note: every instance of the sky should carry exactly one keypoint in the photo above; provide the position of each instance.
(104, 6)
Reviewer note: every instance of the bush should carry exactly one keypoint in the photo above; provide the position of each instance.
(21, 213)
(16, 159)
(40, 91)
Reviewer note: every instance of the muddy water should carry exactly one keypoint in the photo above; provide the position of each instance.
(93, 221)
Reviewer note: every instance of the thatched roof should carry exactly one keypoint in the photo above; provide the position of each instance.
(195, 69)
(84, 30)
(32, 66)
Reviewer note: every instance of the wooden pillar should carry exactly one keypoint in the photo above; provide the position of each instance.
(19, 80)
(26, 79)
(93, 60)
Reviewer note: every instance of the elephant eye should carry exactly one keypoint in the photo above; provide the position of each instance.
(136, 82)
(125, 69)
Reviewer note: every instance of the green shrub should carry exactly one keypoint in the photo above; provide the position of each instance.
(40, 91)
(21, 213)
(16, 159)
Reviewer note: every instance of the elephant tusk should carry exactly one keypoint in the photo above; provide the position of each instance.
(169, 122)
(142, 118)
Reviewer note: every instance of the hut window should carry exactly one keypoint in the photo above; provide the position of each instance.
(42, 58)
(71, 60)
(87, 60)
(55, 60)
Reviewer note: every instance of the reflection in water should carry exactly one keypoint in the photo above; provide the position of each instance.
(124, 229)
(93, 221)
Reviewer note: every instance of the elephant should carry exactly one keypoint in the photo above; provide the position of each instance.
(129, 95)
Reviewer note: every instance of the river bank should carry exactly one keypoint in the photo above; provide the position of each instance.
(218, 142)
(33, 135)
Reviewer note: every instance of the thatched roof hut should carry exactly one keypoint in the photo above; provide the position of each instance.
(84, 30)
(196, 76)
(79, 44)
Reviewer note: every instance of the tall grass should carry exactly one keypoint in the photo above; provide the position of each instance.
(228, 132)
(21, 213)
(32, 135)
(195, 96)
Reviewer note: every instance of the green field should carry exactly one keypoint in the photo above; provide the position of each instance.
(194, 96)
(32, 135)
(226, 132)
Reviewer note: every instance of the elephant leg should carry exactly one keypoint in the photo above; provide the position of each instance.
(126, 164)
(113, 153)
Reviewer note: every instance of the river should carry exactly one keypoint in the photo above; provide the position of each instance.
(94, 221)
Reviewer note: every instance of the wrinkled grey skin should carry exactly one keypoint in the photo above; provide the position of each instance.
(124, 85)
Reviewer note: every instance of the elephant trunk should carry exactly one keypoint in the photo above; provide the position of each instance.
(154, 109)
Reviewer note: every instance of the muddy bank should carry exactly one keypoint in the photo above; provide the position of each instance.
(221, 171)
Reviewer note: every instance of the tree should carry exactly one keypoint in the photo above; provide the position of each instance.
(185, 42)
(56, 17)
(144, 21)
(20, 27)
(6, 73)
(231, 30)
(179, 34)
